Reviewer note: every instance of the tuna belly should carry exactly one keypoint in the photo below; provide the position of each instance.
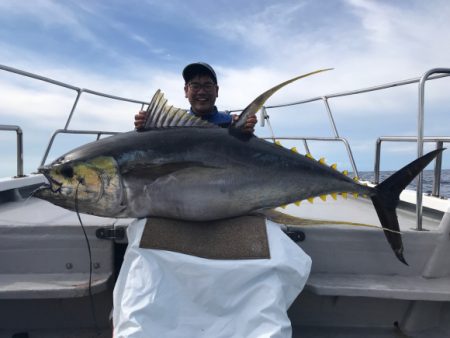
(197, 194)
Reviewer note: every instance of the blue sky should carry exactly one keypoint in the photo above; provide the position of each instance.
(131, 48)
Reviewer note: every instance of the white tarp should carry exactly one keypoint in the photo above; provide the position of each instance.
(166, 294)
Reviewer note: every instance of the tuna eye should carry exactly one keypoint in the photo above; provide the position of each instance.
(67, 171)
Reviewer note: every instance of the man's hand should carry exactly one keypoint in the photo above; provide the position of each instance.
(249, 126)
(139, 120)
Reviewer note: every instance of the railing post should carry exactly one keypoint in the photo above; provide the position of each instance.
(350, 156)
(330, 116)
(50, 143)
(74, 106)
(437, 171)
(420, 128)
(420, 118)
(19, 152)
(376, 169)
(263, 116)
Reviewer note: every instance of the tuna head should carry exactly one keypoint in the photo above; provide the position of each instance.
(92, 186)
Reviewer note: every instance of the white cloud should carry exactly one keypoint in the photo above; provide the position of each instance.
(380, 43)
(409, 36)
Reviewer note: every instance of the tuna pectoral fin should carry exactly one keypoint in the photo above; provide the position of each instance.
(257, 103)
(387, 197)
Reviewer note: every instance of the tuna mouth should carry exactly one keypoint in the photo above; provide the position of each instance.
(52, 184)
(39, 191)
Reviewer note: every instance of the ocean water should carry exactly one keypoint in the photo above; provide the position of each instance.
(427, 180)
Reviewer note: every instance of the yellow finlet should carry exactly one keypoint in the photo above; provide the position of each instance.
(345, 172)
(355, 195)
(308, 155)
(334, 195)
(278, 143)
(311, 200)
(323, 197)
(334, 166)
(283, 206)
(297, 203)
(344, 194)
(322, 160)
(294, 149)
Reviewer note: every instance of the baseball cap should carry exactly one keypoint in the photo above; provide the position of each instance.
(197, 68)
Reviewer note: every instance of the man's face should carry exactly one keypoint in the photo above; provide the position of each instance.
(201, 91)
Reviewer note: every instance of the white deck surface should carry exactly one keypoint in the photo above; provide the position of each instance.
(44, 251)
(35, 212)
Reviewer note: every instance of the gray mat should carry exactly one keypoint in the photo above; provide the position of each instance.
(236, 238)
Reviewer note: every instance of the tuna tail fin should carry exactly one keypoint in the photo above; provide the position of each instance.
(387, 196)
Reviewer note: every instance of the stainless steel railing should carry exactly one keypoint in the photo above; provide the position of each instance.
(321, 139)
(439, 140)
(19, 143)
(335, 137)
(99, 133)
(79, 92)
(420, 139)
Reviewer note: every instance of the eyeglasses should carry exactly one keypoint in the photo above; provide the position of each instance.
(195, 86)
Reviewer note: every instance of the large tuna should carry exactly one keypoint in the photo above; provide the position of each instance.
(184, 168)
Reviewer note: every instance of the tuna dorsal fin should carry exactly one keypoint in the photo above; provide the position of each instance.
(162, 115)
(257, 103)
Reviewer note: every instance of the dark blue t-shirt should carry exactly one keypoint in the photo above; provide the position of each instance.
(222, 119)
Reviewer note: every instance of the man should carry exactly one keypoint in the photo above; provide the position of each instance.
(201, 90)
(165, 291)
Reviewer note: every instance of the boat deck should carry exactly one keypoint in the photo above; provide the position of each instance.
(45, 259)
